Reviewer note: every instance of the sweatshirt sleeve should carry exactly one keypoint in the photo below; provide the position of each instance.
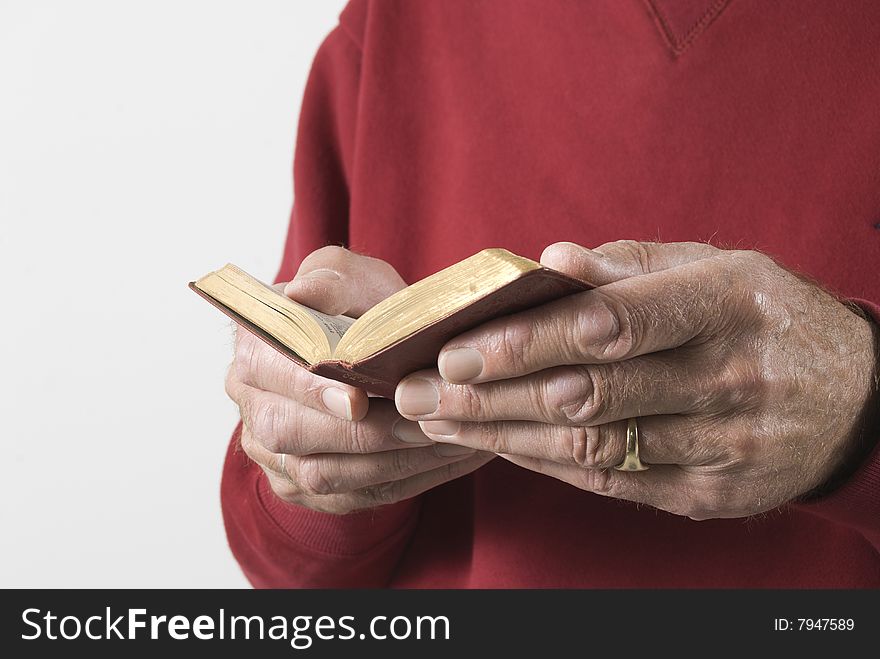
(280, 545)
(856, 502)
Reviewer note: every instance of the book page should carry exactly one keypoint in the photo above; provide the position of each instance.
(431, 299)
(230, 283)
(334, 327)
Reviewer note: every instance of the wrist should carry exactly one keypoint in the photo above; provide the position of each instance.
(863, 437)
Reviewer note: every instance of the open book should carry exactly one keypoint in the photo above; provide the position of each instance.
(401, 334)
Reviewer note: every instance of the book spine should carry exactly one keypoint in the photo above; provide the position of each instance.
(356, 377)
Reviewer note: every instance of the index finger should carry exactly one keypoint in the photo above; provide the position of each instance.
(262, 367)
(623, 319)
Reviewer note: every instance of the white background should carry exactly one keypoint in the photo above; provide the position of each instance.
(141, 145)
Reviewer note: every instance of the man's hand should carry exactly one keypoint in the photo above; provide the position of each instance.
(749, 383)
(342, 452)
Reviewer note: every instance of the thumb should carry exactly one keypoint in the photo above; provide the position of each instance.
(622, 259)
(336, 281)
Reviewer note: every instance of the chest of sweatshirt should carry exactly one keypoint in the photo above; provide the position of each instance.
(520, 124)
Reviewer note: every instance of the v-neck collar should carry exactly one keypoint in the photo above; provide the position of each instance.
(680, 22)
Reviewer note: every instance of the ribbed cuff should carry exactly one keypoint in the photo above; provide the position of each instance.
(352, 534)
(856, 502)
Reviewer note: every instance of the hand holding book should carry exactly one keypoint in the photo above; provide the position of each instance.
(401, 334)
(701, 345)
(321, 443)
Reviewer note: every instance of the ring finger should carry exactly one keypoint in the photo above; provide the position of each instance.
(663, 439)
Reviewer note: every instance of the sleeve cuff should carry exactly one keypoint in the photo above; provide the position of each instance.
(856, 503)
(325, 534)
(335, 535)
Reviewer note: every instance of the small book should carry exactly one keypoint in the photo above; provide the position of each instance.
(403, 333)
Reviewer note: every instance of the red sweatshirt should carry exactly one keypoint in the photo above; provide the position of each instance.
(431, 130)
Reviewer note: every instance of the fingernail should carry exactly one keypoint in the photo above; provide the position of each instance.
(460, 364)
(582, 249)
(417, 396)
(449, 450)
(320, 273)
(409, 432)
(445, 428)
(558, 253)
(337, 402)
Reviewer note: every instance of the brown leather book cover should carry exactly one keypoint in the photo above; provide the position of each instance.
(380, 373)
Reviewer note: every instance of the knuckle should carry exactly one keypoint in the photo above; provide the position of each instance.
(400, 462)
(245, 401)
(491, 437)
(308, 389)
(591, 447)
(747, 279)
(298, 381)
(468, 401)
(386, 493)
(281, 487)
(284, 491)
(277, 371)
(387, 273)
(754, 308)
(701, 445)
(742, 449)
(710, 500)
(622, 329)
(636, 252)
(705, 248)
(715, 499)
(580, 445)
(575, 445)
(748, 259)
(599, 481)
(575, 397)
(514, 341)
(511, 344)
(231, 383)
(361, 438)
(735, 271)
(309, 473)
(248, 445)
(759, 259)
(624, 339)
(692, 508)
(267, 419)
(741, 382)
(260, 366)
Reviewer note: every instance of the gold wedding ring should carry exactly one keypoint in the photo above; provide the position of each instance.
(631, 460)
